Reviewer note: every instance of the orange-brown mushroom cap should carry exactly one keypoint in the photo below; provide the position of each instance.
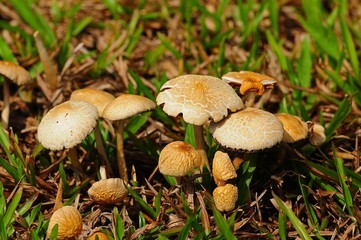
(14, 72)
(108, 191)
(69, 220)
(99, 236)
(225, 197)
(294, 128)
(222, 168)
(317, 135)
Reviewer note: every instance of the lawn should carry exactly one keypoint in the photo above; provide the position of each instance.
(309, 49)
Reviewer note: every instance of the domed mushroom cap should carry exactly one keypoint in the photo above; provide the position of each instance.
(225, 197)
(127, 105)
(100, 235)
(222, 168)
(14, 72)
(178, 158)
(198, 98)
(69, 220)
(248, 130)
(317, 135)
(108, 191)
(294, 128)
(100, 99)
(249, 81)
(67, 124)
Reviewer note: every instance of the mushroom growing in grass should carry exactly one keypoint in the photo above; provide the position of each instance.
(222, 168)
(118, 110)
(295, 129)
(66, 125)
(17, 74)
(108, 191)
(225, 197)
(316, 135)
(251, 84)
(200, 100)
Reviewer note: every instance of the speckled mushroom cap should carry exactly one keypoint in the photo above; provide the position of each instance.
(178, 158)
(69, 220)
(108, 191)
(100, 99)
(198, 98)
(127, 105)
(14, 72)
(294, 128)
(225, 197)
(248, 130)
(249, 81)
(67, 124)
(317, 135)
(222, 168)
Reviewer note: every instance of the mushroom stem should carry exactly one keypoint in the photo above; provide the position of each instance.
(6, 108)
(201, 145)
(74, 159)
(100, 148)
(249, 98)
(122, 166)
(59, 197)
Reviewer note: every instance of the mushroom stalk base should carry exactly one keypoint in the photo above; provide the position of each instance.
(249, 99)
(201, 145)
(6, 109)
(73, 157)
(122, 166)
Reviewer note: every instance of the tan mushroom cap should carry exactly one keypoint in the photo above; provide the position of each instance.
(250, 81)
(108, 191)
(14, 72)
(200, 99)
(67, 124)
(100, 99)
(294, 128)
(127, 105)
(178, 158)
(69, 220)
(225, 197)
(248, 130)
(100, 235)
(317, 135)
(222, 168)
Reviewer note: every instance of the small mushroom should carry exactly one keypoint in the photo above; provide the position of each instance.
(17, 74)
(69, 221)
(108, 191)
(118, 110)
(99, 236)
(225, 197)
(222, 168)
(295, 129)
(317, 135)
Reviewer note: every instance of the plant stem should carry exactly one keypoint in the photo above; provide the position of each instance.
(122, 166)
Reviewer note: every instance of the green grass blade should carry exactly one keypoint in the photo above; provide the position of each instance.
(342, 112)
(342, 179)
(244, 182)
(119, 227)
(222, 225)
(274, 16)
(13, 205)
(5, 52)
(141, 202)
(282, 225)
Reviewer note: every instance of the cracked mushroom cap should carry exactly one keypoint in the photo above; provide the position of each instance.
(317, 135)
(67, 124)
(108, 191)
(222, 168)
(200, 99)
(225, 197)
(178, 158)
(248, 130)
(294, 128)
(249, 81)
(127, 105)
(69, 220)
(14, 72)
(100, 99)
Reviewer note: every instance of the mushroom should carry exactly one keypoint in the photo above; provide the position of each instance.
(100, 99)
(118, 110)
(99, 236)
(66, 125)
(17, 74)
(225, 197)
(108, 191)
(295, 129)
(251, 83)
(222, 168)
(200, 100)
(316, 135)
(69, 221)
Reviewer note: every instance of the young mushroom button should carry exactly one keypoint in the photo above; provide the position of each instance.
(108, 191)
(225, 197)
(222, 168)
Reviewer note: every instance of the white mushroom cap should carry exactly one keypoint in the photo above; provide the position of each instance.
(222, 168)
(294, 128)
(317, 135)
(108, 191)
(200, 99)
(225, 197)
(178, 158)
(100, 99)
(14, 72)
(69, 220)
(67, 124)
(248, 130)
(127, 105)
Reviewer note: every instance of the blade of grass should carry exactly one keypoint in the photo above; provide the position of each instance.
(342, 112)
(119, 227)
(222, 225)
(141, 202)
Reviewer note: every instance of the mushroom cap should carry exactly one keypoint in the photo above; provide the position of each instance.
(100, 235)
(225, 197)
(249, 81)
(108, 191)
(317, 135)
(222, 168)
(69, 220)
(127, 105)
(294, 128)
(100, 99)
(178, 158)
(248, 130)
(67, 124)
(14, 72)
(200, 99)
